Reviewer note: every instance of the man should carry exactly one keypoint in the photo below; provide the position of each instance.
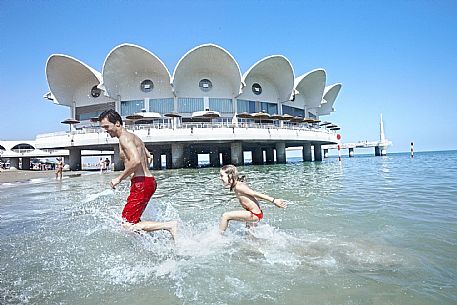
(59, 167)
(136, 159)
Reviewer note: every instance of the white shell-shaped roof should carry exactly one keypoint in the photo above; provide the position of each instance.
(127, 65)
(204, 60)
(277, 70)
(66, 75)
(310, 87)
(330, 95)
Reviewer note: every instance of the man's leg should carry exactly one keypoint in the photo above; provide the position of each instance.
(150, 226)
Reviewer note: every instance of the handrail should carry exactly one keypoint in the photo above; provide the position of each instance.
(187, 125)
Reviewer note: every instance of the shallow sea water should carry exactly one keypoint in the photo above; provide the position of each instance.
(368, 230)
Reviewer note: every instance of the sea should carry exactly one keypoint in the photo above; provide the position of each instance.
(366, 230)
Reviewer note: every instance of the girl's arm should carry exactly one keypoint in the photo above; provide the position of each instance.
(246, 190)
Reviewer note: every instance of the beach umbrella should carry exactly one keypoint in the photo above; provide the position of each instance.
(134, 117)
(335, 128)
(244, 115)
(325, 123)
(70, 122)
(286, 117)
(172, 114)
(94, 119)
(297, 119)
(261, 116)
(276, 117)
(148, 116)
(308, 120)
(206, 114)
(331, 126)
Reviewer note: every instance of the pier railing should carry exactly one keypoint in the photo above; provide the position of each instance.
(190, 125)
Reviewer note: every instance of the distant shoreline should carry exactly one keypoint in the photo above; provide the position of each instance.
(12, 176)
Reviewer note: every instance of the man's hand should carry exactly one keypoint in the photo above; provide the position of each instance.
(115, 182)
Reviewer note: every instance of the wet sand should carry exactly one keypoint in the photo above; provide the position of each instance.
(11, 176)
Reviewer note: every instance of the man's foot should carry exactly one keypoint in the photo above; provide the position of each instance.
(173, 228)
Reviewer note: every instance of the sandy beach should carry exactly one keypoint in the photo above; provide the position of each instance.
(11, 176)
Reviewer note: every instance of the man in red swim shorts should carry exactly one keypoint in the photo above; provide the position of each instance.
(136, 159)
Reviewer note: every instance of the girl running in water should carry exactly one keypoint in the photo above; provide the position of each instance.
(246, 196)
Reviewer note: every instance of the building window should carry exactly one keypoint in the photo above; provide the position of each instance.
(205, 85)
(95, 91)
(256, 89)
(130, 107)
(222, 105)
(189, 105)
(161, 105)
(147, 85)
(293, 111)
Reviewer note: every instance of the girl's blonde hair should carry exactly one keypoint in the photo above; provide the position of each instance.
(232, 174)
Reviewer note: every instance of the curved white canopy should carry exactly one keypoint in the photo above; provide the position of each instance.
(68, 76)
(310, 87)
(275, 70)
(330, 94)
(127, 65)
(211, 62)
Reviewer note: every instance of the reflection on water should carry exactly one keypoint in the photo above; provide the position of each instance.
(364, 231)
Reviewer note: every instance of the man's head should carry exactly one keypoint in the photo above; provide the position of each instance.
(111, 121)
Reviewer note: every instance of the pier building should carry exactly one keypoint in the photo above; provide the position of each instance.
(206, 106)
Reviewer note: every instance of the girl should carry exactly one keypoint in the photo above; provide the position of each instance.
(246, 196)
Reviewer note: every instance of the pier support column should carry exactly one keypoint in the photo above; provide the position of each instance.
(269, 156)
(281, 152)
(156, 159)
(214, 160)
(117, 161)
(307, 155)
(168, 160)
(380, 151)
(351, 152)
(226, 158)
(66, 160)
(26, 163)
(325, 152)
(257, 156)
(75, 159)
(236, 153)
(177, 155)
(14, 163)
(317, 152)
(191, 158)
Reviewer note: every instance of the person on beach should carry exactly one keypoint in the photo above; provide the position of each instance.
(59, 168)
(101, 164)
(247, 198)
(136, 159)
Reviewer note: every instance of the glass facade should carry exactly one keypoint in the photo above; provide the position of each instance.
(222, 105)
(161, 105)
(189, 104)
(269, 108)
(130, 107)
(245, 106)
(293, 111)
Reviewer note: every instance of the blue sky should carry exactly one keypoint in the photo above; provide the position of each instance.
(394, 57)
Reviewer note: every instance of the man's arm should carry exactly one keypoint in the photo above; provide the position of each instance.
(131, 162)
(148, 155)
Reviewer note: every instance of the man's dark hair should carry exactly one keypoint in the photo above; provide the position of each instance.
(111, 115)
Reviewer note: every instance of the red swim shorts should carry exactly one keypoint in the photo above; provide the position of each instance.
(141, 190)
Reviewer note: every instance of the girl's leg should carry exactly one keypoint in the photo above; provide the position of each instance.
(235, 215)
